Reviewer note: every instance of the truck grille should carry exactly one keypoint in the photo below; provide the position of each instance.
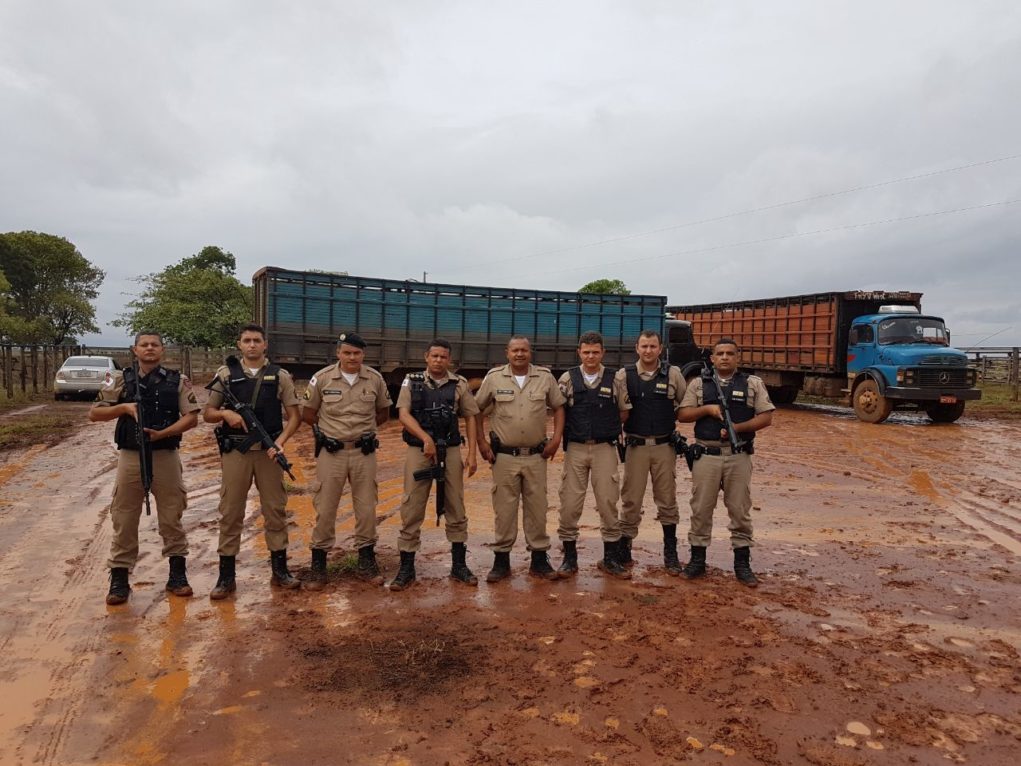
(930, 378)
(939, 359)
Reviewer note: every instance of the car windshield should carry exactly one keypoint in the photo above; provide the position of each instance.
(913, 330)
(87, 361)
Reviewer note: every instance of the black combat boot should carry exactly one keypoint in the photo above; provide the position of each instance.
(743, 567)
(406, 574)
(367, 568)
(458, 568)
(670, 561)
(177, 583)
(225, 583)
(541, 568)
(317, 580)
(119, 588)
(696, 565)
(624, 552)
(569, 567)
(282, 576)
(609, 563)
(501, 567)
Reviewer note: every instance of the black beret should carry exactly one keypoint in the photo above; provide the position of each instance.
(351, 339)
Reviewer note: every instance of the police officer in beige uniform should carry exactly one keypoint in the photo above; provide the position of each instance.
(267, 388)
(428, 407)
(716, 465)
(344, 403)
(591, 433)
(169, 408)
(519, 394)
(650, 393)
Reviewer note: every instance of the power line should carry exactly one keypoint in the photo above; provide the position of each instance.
(846, 227)
(750, 211)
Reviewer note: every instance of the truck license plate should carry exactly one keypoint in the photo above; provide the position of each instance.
(948, 400)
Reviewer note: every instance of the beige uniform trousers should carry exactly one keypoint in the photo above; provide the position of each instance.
(334, 470)
(733, 474)
(126, 507)
(414, 504)
(583, 462)
(659, 460)
(520, 479)
(238, 472)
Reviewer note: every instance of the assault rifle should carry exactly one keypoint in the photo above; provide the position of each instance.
(144, 448)
(437, 471)
(257, 433)
(735, 443)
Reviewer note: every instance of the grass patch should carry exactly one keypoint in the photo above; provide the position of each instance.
(22, 399)
(37, 428)
(995, 402)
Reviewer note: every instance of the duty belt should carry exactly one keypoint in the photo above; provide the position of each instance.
(717, 451)
(520, 451)
(641, 441)
(610, 440)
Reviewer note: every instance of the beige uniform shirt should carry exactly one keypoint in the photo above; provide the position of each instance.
(345, 411)
(675, 386)
(464, 401)
(285, 386)
(567, 386)
(518, 415)
(758, 396)
(111, 392)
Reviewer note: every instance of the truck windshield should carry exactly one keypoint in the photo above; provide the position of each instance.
(913, 330)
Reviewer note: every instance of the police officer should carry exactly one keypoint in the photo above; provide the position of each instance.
(650, 392)
(266, 387)
(344, 403)
(591, 433)
(428, 406)
(717, 465)
(519, 394)
(169, 408)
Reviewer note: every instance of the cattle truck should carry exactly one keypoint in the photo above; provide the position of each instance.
(878, 348)
(304, 311)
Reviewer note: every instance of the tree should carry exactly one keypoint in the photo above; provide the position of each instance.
(606, 287)
(51, 288)
(197, 302)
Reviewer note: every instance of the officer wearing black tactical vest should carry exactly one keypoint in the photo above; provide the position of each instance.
(591, 433)
(269, 390)
(651, 392)
(169, 409)
(720, 459)
(428, 406)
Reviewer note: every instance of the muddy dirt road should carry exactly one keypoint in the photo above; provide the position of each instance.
(887, 629)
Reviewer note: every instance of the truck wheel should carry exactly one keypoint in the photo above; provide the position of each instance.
(945, 413)
(870, 405)
(783, 394)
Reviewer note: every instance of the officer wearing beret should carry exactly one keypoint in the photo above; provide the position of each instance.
(428, 407)
(169, 408)
(515, 397)
(268, 389)
(650, 392)
(591, 433)
(344, 403)
(717, 465)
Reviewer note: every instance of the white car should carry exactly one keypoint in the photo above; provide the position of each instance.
(83, 376)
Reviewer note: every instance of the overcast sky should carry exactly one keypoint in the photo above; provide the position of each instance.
(505, 143)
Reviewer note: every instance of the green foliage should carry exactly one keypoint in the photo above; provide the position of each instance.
(197, 302)
(49, 286)
(606, 287)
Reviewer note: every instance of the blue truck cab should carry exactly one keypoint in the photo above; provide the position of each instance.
(900, 358)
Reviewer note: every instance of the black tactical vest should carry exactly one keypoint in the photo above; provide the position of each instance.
(652, 408)
(159, 407)
(434, 409)
(708, 428)
(594, 413)
(265, 402)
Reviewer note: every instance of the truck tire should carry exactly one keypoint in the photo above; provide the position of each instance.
(870, 405)
(783, 394)
(944, 413)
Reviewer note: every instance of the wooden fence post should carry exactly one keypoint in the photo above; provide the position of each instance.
(24, 370)
(46, 368)
(8, 362)
(1014, 372)
(35, 369)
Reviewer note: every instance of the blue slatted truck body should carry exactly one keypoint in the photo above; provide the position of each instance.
(304, 311)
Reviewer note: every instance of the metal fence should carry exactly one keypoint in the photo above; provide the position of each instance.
(996, 364)
(32, 368)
